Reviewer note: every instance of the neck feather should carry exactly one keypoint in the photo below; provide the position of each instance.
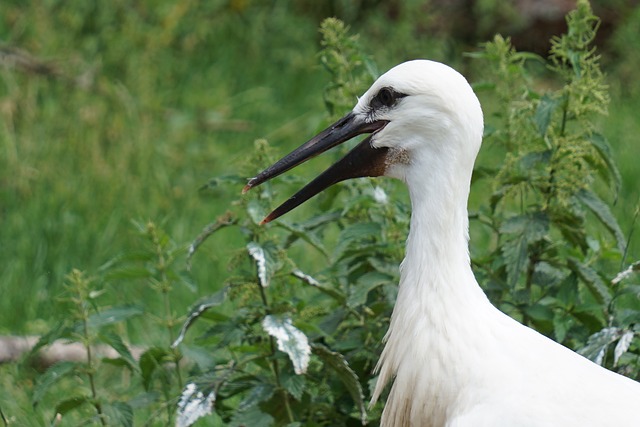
(438, 294)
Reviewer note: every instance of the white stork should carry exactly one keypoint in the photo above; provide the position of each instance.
(454, 359)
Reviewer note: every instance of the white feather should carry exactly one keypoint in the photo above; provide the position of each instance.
(453, 358)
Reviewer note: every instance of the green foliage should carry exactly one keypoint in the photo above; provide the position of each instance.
(549, 264)
(89, 326)
(351, 70)
(155, 371)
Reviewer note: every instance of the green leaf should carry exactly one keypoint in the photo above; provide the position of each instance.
(590, 277)
(299, 231)
(61, 330)
(115, 341)
(129, 272)
(533, 225)
(340, 366)
(539, 312)
(364, 285)
(150, 360)
(604, 214)
(118, 414)
(52, 375)
(327, 290)
(114, 315)
(546, 107)
(601, 145)
(354, 233)
(69, 404)
(258, 394)
(294, 384)
(253, 417)
(290, 340)
(144, 400)
(525, 230)
(198, 309)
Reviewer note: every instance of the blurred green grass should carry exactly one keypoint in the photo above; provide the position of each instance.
(144, 103)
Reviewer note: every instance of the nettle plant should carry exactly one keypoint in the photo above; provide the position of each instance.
(556, 246)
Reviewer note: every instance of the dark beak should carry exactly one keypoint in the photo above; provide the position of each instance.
(363, 160)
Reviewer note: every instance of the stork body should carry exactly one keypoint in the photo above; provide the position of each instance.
(453, 358)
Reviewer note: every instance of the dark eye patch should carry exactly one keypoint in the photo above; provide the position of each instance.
(386, 97)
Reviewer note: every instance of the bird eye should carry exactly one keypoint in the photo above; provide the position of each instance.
(386, 97)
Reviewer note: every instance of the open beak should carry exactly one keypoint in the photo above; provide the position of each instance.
(363, 160)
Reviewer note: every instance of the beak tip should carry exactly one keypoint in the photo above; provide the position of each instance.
(249, 186)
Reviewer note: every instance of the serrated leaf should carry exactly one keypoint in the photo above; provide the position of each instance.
(539, 312)
(50, 377)
(623, 345)
(290, 340)
(113, 315)
(252, 417)
(533, 159)
(340, 366)
(332, 292)
(115, 342)
(118, 414)
(604, 214)
(265, 258)
(523, 230)
(546, 107)
(601, 145)
(194, 404)
(593, 281)
(295, 385)
(260, 393)
(304, 233)
(61, 330)
(598, 343)
(514, 252)
(353, 233)
(365, 284)
(198, 309)
(533, 225)
(150, 360)
(69, 404)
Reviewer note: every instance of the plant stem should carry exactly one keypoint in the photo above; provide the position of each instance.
(87, 346)
(274, 361)
(165, 289)
(4, 419)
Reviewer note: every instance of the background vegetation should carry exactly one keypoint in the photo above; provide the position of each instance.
(125, 129)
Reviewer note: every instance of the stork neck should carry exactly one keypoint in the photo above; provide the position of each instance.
(438, 237)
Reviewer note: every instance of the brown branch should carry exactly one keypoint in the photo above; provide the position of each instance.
(12, 348)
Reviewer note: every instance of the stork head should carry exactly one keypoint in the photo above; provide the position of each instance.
(422, 116)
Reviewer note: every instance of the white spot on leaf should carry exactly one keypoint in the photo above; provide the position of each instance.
(622, 346)
(193, 405)
(380, 196)
(257, 253)
(290, 340)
